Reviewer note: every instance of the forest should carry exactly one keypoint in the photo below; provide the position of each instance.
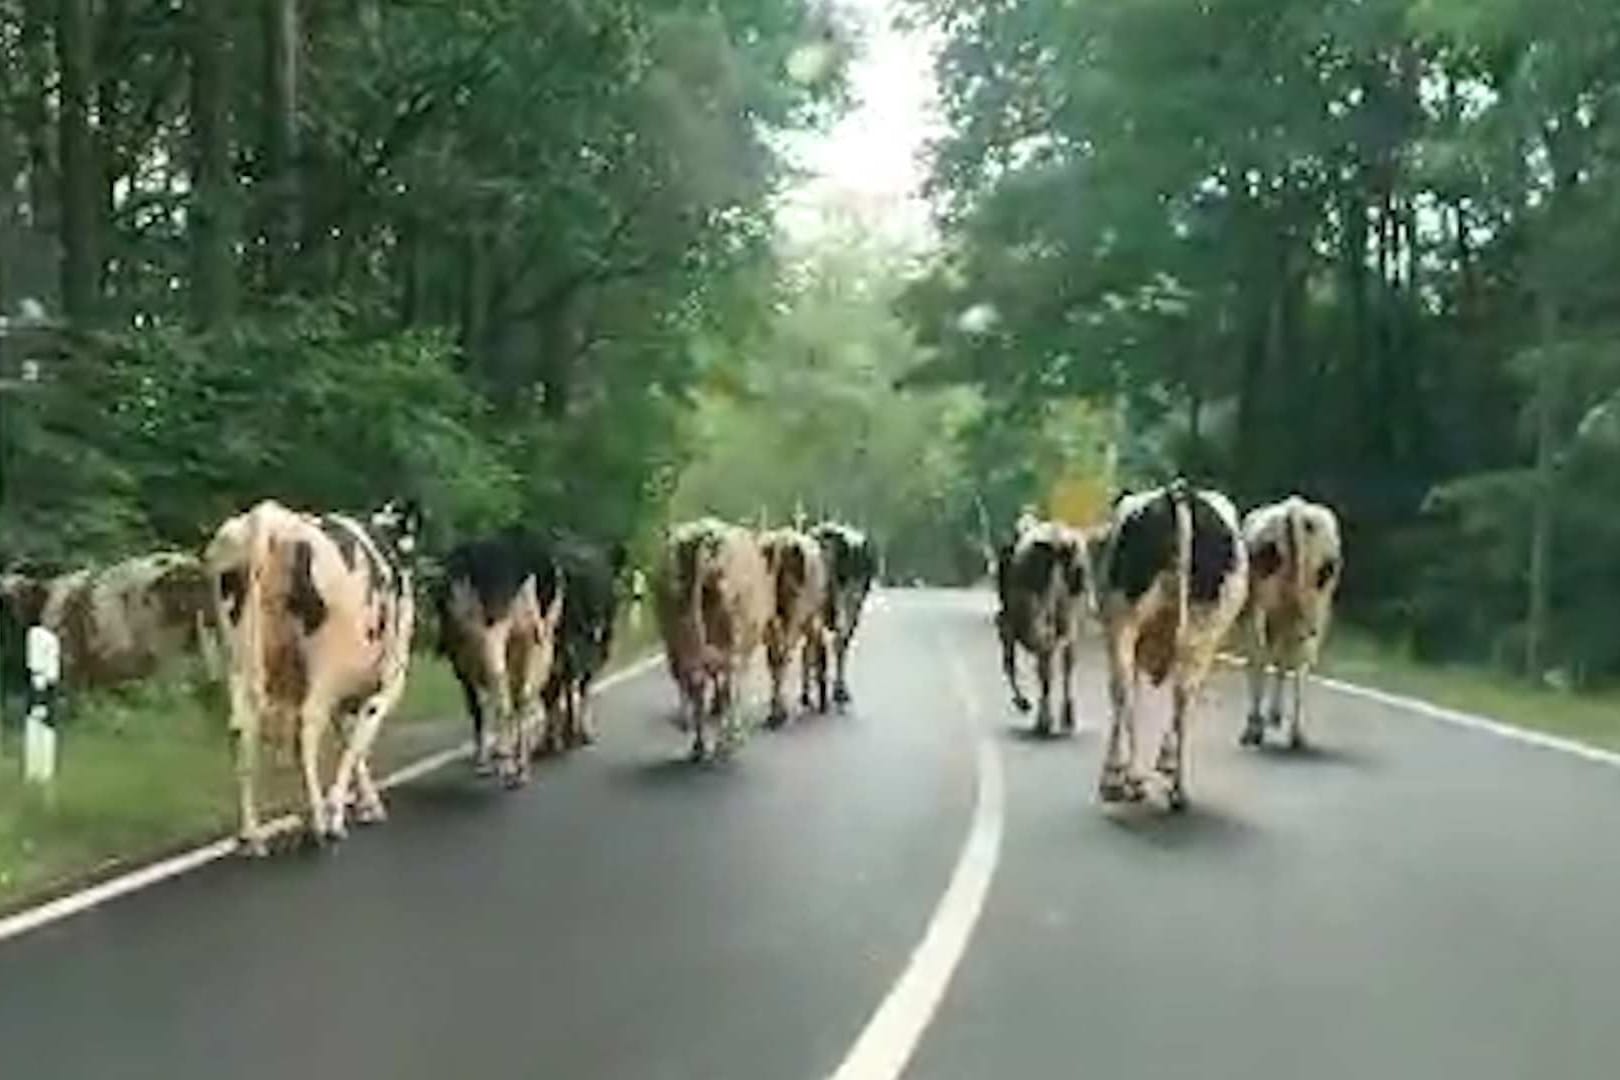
(520, 259)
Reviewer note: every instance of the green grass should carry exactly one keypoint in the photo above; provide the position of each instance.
(1592, 718)
(150, 768)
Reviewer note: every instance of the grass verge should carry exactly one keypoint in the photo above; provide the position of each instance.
(1592, 718)
(147, 770)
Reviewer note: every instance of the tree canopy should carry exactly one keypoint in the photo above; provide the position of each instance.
(1358, 249)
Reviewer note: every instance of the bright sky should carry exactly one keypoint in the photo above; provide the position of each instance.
(870, 162)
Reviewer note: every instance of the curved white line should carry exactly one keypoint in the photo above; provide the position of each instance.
(891, 1035)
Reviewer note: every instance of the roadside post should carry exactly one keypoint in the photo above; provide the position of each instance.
(39, 727)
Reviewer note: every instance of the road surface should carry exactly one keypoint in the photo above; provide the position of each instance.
(1413, 900)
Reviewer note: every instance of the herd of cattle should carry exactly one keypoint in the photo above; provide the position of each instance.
(312, 617)
(1167, 578)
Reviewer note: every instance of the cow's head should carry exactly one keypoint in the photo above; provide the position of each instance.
(399, 522)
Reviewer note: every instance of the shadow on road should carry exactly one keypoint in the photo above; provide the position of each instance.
(1025, 733)
(1198, 826)
(1315, 754)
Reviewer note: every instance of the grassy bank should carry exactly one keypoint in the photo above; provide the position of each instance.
(149, 769)
(1592, 718)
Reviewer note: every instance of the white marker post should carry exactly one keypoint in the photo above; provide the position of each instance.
(39, 733)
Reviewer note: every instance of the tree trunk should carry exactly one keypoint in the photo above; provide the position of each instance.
(80, 187)
(213, 201)
(280, 136)
(33, 120)
(112, 91)
(1548, 386)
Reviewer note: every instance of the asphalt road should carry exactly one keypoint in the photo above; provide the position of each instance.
(1412, 900)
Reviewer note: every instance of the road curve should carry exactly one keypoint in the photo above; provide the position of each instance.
(1413, 900)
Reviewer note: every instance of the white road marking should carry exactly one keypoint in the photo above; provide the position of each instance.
(891, 1035)
(52, 911)
(1455, 717)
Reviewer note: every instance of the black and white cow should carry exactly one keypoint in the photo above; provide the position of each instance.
(316, 612)
(1174, 578)
(851, 571)
(499, 604)
(1043, 580)
(1295, 562)
(590, 575)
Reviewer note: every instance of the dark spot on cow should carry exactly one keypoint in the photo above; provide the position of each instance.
(1310, 526)
(1214, 552)
(1326, 572)
(1143, 547)
(790, 577)
(343, 538)
(303, 599)
(286, 675)
(1267, 560)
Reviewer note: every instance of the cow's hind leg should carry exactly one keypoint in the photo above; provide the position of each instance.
(841, 695)
(1296, 726)
(1066, 673)
(1043, 670)
(1172, 761)
(1009, 661)
(250, 835)
(1254, 728)
(482, 747)
(312, 719)
(776, 658)
(1117, 783)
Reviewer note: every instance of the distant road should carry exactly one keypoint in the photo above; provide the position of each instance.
(1412, 901)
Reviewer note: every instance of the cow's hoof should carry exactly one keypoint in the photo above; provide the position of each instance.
(1175, 799)
(841, 695)
(1119, 787)
(1021, 703)
(252, 846)
(371, 814)
(1066, 719)
(776, 718)
(1253, 734)
(1296, 741)
(1043, 727)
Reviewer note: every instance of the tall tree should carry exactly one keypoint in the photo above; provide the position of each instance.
(213, 203)
(80, 173)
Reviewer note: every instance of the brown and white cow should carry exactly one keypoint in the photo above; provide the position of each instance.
(316, 612)
(1043, 579)
(1174, 578)
(713, 599)
(798, 577)
(1295, 561)
(499, 606)
(116, 623)
(851, 571)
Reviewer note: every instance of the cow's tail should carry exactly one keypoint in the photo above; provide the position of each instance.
(238, 562)
(1181, 496)
(1298, 564)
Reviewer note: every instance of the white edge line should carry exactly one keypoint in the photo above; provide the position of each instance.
(1455, 717)
(886, 1044)
(54, 910)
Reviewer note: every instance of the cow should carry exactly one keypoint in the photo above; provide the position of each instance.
(116, 623)
(316, 612)
(499, 605)
(1174, 579)
(798, 576)
(590, 575)
(713, 599)
(851, 571)
(1295, 561)
(1043, 581)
